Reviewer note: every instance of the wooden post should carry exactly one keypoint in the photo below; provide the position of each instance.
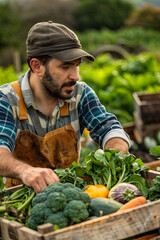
(17, 61)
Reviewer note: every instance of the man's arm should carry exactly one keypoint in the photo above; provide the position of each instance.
(37, 178)
(117, 144)
(104, 127)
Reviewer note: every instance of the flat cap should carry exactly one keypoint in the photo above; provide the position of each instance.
(55, 40)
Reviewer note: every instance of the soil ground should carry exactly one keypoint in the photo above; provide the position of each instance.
(144, 156)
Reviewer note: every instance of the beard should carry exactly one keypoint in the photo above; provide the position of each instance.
(53, 89)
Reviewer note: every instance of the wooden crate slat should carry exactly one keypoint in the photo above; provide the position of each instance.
(142, 130)
(25, 233)
(147, 105)
(9, 229)
(150, 175)
(114, 226)
(156, 238)
(151, 236)
(129, 129)
(153, 165)
(45, 228)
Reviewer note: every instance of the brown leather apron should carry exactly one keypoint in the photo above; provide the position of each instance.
(57, 149)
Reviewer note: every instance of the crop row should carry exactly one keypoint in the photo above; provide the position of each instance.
(114, 81)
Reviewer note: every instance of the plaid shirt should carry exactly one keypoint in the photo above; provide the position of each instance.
(85, 110)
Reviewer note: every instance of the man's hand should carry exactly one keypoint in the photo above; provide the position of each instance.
(38, 178)
(117, 144)
(35, 177)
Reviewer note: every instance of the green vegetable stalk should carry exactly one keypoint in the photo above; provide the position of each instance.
(16, 205)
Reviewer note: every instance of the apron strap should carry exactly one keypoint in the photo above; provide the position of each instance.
(64, 110)
(22, 106)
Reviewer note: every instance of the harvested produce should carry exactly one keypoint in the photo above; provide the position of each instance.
(17, 205)
(103, 206)
(124, 192)
(154, 191)
(108, 168)
(61, 204)
(97, 191)
(70, 175)
(133, 203)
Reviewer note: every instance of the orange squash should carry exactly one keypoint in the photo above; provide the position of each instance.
(98, 190)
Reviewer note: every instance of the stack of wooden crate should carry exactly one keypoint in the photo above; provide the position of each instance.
(146, 114)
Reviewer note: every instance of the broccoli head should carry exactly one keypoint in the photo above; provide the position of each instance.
(37, 213)
(61, 204)
(76, 211)
(56, 201)
(57, 219)
(39, 198)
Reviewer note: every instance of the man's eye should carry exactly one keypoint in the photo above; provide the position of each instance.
(65, 67)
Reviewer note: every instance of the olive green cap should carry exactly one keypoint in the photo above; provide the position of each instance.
(55, 40)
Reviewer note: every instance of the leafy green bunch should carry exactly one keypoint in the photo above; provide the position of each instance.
(108, 167)
(154, 191)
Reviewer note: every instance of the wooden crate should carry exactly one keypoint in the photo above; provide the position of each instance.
(142, 130)
(153, 165)
(147, 106)
(129, 129)
(130, 223)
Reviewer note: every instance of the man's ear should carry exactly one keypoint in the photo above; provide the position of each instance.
(36, 66)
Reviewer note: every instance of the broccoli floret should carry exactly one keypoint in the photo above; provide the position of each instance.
(61, 204)
(68, 185)
(38, 213)
(71, 194)
(56, 187)
(84, 197)
(76, 211)
(39, 198)
(53, 189)
(47, 212)
(32, 223)
(55, 184)
(76, 194)
(56, 201)
(58, 219)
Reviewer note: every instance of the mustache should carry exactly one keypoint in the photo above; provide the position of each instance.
(69, 84)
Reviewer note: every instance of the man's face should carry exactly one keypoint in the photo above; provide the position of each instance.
(60, 77)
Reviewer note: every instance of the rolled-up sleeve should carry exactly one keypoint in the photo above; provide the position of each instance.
(7, 124)
(101, 124)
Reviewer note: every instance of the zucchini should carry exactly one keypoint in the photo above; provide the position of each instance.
(103, 206)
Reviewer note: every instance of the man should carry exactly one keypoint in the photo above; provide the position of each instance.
(44, 113)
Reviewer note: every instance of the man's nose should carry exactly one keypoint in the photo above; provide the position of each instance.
(74, 74)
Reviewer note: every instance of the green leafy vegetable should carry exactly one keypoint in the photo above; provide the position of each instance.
(154, 191)
(70, 175)
(108, 167)
(155, 151)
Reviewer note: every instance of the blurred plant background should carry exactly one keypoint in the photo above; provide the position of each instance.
(123, 35)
